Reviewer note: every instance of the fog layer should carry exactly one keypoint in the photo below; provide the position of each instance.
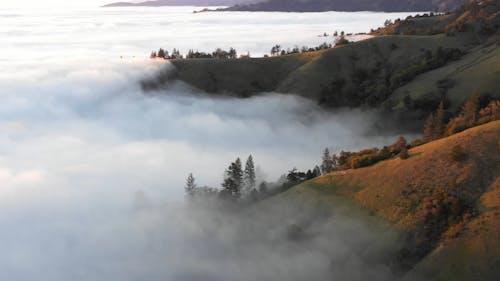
(79, 141)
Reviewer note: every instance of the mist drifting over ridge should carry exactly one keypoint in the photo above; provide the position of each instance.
(91, 168)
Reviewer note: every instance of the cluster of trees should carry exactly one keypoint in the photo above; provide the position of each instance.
(240, 183)
(175, 54)
(440, 124)
(353, 160)
(163, 54)
(429, 61)
(373, 86)
(217, 54)
(277, 50)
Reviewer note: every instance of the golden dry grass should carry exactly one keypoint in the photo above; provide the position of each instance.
(397, 191)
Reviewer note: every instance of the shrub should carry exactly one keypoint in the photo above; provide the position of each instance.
(457, 153)
(404, 154)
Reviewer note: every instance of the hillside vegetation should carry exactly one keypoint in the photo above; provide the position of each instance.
(448, 205)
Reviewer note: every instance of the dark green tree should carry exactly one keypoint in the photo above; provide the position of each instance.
(233, 179)
(471, 108)
(190, 187)
(161, 53)
(327, 163)
(263, 188)
(439, 125)
(429, 128)
(249, 174)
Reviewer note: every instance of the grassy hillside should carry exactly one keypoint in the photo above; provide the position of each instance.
(476, 71)
(450, 208)
(407, 69)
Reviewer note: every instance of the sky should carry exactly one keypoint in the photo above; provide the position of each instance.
(63, 3)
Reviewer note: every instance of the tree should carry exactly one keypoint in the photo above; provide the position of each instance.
(399, 145)
(316, 171)
(263, 188)
(190, 185)
(403, 154)
(471, 108)
(233, 179)
(275, 50)
(327, 164)
(249, 174)
(153, 55)
(429, 128)
(439, 122)
(176, 54)
(232, 53)
(161, 53)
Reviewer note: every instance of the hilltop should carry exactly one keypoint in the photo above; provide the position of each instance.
(449, 208)
(406, 69)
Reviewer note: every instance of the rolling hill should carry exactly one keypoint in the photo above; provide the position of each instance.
(406, 69)
(449, 209)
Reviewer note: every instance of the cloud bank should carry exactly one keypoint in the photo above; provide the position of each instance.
(82, 148)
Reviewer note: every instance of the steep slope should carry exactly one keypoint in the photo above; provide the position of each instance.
(450, 208)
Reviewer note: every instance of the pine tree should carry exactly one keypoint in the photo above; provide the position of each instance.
(439, 122)
(249, 174)
(429, 128)
(161, 53)
(327, 164)
(317, 171)
(263, 188)
(234, 178)
(190, 185)
(471, 108)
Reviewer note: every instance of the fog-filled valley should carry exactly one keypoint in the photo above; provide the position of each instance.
(92, 168)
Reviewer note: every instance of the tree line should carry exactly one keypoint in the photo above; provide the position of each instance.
(474, 112)
(240, 183)
(276, 50)
(339, 40)
(176, 54)
(439, 124)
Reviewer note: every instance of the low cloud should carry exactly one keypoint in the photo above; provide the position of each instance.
(91, 167)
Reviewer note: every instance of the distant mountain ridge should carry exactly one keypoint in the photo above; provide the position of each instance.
(307, 5)
(351, 5)
(159, 3)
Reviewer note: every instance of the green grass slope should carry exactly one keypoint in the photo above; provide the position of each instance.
(479, 70)
(242, 77)
(449, 208)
